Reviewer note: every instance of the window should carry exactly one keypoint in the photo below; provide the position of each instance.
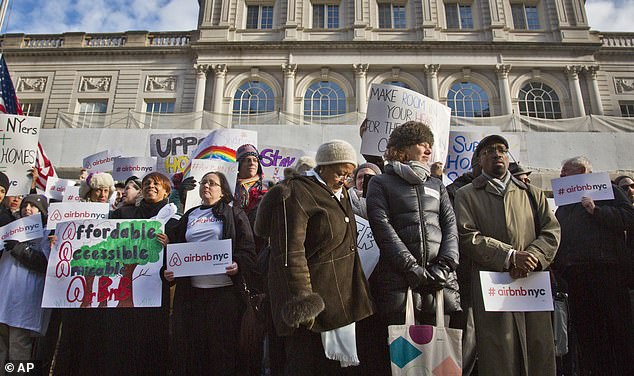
(259, 16)
(324, 98)
(392, 16)
(154, 107)
(459, 16)
(32, 108)
(469, 100)
(90, 113)
(398, 83)
(253, 97)
(325, 16)
(525, 17)
(539, 100)
(627, 109)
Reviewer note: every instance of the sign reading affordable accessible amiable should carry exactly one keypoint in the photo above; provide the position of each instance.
(200, 258)
(571, 189)
(105, 264)
(18, 151)
(366, 246)
(390, 106)
(502, 293)
(22, 229)
(59, 212)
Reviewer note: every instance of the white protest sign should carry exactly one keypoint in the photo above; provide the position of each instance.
(200, 258)
(570, 189)
(274, 159)
(106, 264)
(123, 168)
(366, 246)
(502, 293)
(73, 211)
(172, 150)
(222, 144)
(23, 229)
(389, 106)
(100, 162)
(71, 194)
(18, 151)
(199, 167)
(56, 188)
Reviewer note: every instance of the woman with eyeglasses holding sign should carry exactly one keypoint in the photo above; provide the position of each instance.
(208, 308)
(415, 228)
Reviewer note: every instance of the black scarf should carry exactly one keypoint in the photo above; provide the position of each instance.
(147, 210)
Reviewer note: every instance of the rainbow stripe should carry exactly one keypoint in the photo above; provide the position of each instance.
(213, 152)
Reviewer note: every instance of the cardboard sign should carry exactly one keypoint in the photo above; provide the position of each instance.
(100, 162)
(71, 194)
(172, 150)
(571, 189)
(59, 212)
(366, 246)
(21, 230)
(502, 293)
(18, 150)
(56, 188)
(275, 159)
(390, 106)
(123, 168)
(199, 167)
(105, 264)
(200, 258)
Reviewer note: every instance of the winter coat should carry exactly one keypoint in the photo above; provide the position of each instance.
(595, 238)
(415, 227)
(490, 224)
(315, 276)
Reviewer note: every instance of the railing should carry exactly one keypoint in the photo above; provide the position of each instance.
(169, 39)
(111, 40)
(105, 40)
(622, 40)
(43, 41)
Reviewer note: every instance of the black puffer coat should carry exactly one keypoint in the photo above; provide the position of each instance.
(415, 228)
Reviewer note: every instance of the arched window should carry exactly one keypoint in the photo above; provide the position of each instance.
(253, 97)
(469, 100)
(539, 100)
(324, 98)
(398, 83)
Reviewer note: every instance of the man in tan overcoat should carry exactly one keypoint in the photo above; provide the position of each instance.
(505, 225)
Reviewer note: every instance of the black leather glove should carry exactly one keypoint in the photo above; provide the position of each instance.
(186, 186)
(417, 276)
(31, 258)
(439, 272)
(10, 244)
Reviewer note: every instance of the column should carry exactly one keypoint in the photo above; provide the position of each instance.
(289, 87)
(572, 71)
(199, 96)
(502, 71)
(220, 72)
(593, 84)
(431, 73)
(360, 71)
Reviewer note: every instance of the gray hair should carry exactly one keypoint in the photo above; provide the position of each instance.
(579, 162)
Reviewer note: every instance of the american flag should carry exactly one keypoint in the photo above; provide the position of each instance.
(9, 105)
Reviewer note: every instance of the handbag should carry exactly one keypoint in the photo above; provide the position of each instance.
(425, 349)
(252, 330)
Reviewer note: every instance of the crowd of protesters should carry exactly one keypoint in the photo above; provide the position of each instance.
(295, 243)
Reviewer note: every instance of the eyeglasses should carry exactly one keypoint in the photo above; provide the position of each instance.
(210, 183)
(495, 149)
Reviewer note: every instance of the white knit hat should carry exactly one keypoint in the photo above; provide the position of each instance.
(94, 181)
(334, 152)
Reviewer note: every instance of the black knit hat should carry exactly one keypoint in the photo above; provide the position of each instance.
(4, 182)
(490, 140)
(38, 201)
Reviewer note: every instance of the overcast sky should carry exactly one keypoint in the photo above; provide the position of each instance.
(58, 16)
